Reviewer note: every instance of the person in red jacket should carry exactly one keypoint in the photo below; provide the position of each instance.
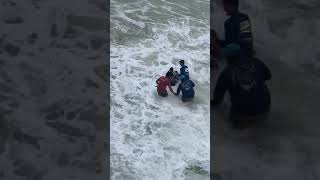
(162, 84)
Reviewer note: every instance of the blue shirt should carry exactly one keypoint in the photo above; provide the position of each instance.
(184, 71)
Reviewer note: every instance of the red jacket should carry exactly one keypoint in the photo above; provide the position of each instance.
(163, 82)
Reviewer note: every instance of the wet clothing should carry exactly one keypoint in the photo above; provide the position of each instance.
(174, 77)
(169, 73)
(186, 87)
(245, 82)
(238, 30)
(163, 94)
(184, 71)
(162, 82)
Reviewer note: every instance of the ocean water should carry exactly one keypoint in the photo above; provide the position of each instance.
(155, 138)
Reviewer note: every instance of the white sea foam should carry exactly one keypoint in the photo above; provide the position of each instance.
(154, 137)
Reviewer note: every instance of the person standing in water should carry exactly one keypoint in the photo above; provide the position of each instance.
(186, 87)
(173, 75)
(184, 70)
(237, 29)
(245, 80)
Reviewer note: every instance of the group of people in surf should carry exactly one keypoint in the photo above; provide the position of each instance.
(244, 76)
(172, 77)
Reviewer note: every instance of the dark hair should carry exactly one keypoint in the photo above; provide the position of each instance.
(234, 3)
(181, 61)
(171, 69)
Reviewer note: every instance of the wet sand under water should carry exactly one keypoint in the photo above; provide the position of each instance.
(284, 147)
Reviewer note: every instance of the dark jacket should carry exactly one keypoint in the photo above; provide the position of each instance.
(186, 87)
(238, 30)
(251, 99)
(174, 77)
(169, 74)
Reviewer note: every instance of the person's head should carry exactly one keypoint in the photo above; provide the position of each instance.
(171, 69)
(230, 6)
(181, 62)
(232, 53)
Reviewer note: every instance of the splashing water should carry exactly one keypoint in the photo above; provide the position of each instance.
(154, 137)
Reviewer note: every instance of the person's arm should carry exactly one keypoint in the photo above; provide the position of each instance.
(220, 89)
(178, 90)
(265, 70)
(217, 42)
(268, 73)
(157, 81)
(170, 88)
(215, 48)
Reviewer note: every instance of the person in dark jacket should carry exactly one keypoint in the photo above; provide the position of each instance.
(186, 87)
(245, 80)
(184, 70)
(237, 28)
(170, 72)
(173, 75)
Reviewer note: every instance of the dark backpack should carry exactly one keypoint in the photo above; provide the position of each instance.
(186, 86)
(244, 77)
